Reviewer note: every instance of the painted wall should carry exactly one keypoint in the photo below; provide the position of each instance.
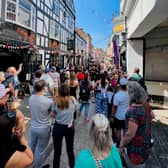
(140, 11)
(0, 7)
(134, 55)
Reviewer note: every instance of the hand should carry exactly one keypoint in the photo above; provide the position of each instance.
(112, 119)
(121, 150)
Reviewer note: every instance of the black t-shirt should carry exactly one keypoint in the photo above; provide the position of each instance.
(11, 149)
(94, 74)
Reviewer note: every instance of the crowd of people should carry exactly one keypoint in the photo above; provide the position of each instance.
(120, 125)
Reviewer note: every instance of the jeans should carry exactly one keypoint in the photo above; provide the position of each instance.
(101, 104)
(60, 131)
(86, 106)
(39, 141)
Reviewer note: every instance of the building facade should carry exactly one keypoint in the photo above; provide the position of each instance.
(89, 47)
(147, 43)
(80, 50)
(37, 31)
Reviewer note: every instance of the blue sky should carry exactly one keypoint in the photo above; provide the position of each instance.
(95, 17)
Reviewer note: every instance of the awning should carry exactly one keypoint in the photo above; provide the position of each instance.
(146, 16)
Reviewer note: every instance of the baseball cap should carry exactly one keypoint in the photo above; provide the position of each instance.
(47, 70)
(123, 81)
(53, 69)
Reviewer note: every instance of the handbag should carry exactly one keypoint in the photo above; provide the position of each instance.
(98, 163)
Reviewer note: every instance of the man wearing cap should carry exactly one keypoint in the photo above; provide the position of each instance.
(120, 106)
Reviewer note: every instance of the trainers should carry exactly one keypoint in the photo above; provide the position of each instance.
(86, 120)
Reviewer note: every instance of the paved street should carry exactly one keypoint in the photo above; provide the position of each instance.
(158, 157)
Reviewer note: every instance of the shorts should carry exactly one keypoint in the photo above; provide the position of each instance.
(119, 124)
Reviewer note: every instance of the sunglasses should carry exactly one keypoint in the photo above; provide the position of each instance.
(11, 114)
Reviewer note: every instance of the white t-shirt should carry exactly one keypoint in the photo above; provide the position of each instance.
(121, 100)
(2, 90)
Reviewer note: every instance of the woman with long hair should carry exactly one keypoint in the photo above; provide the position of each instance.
(101, 152)
(14, 148)
(64, 107)
(100, 88)
(73, 84)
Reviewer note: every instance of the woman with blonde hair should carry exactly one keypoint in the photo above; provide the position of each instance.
(73, 84)
(102, 153)
(63, 109)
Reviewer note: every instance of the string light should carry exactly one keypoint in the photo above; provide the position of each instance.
(14, 47)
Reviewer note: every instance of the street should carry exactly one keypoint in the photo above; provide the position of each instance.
(157, 159)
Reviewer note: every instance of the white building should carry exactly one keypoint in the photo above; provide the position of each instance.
(80, 49)
(147, 42)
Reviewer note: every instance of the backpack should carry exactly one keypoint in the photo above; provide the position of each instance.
(85, 89)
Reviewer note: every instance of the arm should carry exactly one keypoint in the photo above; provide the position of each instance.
(129, 135)
(19, 70)
(21, 159)
(3, 100)
(114, 108)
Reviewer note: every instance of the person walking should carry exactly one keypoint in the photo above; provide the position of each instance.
(63, 110)
(138, 126)
(120, 106)
(84, 96)
(100, 88)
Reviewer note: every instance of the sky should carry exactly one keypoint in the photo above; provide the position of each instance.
(95, 17)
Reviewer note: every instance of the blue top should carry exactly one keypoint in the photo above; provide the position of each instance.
(85, 159)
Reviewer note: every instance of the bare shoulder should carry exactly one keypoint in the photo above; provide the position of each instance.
(19, 159)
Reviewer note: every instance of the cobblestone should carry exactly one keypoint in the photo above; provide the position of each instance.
(159, 154)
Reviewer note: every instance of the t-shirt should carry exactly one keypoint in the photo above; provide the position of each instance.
(55, 76)
(121, 100)
(49, 84)
(138, 148)
(65, 116)
(40, 106)
(2, 90)
(85, 160)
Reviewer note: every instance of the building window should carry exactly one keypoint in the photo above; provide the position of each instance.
(11, 10)
(39, 26)
(24, 13)
(54, 29)
(55, 7)
(33, 17)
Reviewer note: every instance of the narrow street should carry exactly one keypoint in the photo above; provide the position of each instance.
(157, 159)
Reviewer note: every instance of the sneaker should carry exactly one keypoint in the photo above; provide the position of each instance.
(86, 120)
